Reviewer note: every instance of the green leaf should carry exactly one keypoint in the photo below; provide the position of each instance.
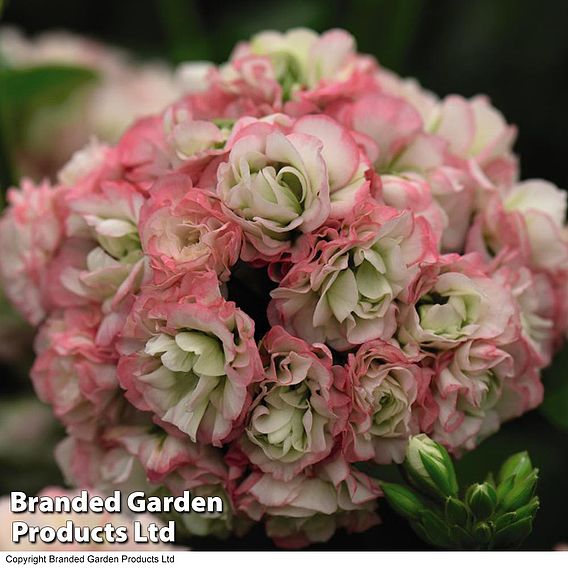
(45, 84)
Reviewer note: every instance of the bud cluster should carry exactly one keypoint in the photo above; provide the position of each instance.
(495, 514)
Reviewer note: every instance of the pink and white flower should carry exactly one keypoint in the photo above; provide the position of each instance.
(183, 229)
(467, 385)
(287, 179)
(345, 292)
(75, 374)
(309, 509)
(297, 411)
(455, 305)
(385, 384)
(31, 232)
(189, 357)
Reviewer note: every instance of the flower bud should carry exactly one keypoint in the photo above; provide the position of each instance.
(530, 509)
(456, 512)
(481, 498)
(482, 533)
(430, 468)
(513, 535)
(518, 466)
(403, 501)
(435, 529)
(520, 494)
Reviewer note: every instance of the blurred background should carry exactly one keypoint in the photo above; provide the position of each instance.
(515, 51)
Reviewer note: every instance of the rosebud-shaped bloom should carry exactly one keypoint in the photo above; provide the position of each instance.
(430, 468)
(462, 303)
(385, 385)
(297, 410)
(524, 391)
(344, 293)
(475, 130)
(275, 184)
(31, 230)
(144, 154)
(542, 208)
(109, 263)
(413, 192)
(302, 59)
(423, 101)
(525, 229)
(540, 314)
(278, 181)
(183, 229)
(189, 357)
(253, 81)
(392, 133)
(173, 461)
(310, 509)
(74, 374)
(528, 220)
(192, 139)
(193, 76)
(467, 387)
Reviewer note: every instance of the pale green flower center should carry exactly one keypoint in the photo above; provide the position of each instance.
(490, 385)
(278, 424)
(118, 241)
(390, 407)
(367, 284)
(189, 351)
(275, 192)
(447, 315)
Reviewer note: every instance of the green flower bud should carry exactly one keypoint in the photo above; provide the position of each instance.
(430, 468)
(530, 509)
(518, 466)
(505, 520)
(437, 531)
(461, 539)
(513, 535)
(456, 512)
(403, 500)
(520, 494)
(482, 533)
(481, 499)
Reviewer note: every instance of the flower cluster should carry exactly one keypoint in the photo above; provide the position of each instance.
(296, 267)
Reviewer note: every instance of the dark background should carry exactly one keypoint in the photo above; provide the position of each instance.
(514, 51)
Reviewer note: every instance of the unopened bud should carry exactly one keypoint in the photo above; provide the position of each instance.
(430, 468)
